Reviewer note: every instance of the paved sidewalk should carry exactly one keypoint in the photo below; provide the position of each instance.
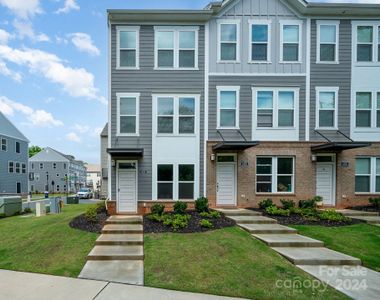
(29, 286)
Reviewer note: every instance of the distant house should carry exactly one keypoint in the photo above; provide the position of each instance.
(93, 176)
(13, 159)
(53, 171)
(104, 162)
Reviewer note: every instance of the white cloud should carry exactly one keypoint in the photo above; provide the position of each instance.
(83, 42)
(77, 82)
(9, 73)
(23, 8)
(81, 128)
(36, 118)
(25, 29)
(4, 37)
(73, 137)
(68, 6)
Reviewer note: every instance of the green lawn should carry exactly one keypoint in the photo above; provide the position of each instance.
(223, 262)
(45, 245)
(360, 240)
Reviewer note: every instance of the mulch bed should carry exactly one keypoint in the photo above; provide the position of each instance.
(81, 223)
(151, 226)
(296, 219)
(369, 208)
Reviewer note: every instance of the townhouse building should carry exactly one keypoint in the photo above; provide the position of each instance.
(104, 163)
(13, 159)
(244, 100)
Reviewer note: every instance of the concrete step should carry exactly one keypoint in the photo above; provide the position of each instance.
(288, 240)
(368, 219)
(316, 256)
(253, 220)
(120, 239)
(238, 212)
(122, 228)
(121, 271)
(352, 213)
(267, 228)
(125, 220)
(116, 253)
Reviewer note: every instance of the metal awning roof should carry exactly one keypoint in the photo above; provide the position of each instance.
(339, 146)
(231, 145)
(125, 152)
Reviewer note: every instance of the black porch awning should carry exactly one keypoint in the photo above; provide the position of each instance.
(339, 146)
(125, 152)
(237, 146)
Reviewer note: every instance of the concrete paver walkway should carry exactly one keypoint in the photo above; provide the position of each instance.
(29, 286)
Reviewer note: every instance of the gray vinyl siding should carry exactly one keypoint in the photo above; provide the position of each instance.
(148, 81)
(104, 166)
(244, 11)
(332, 75)
(39, 185)
(8, 180)
(245, 111)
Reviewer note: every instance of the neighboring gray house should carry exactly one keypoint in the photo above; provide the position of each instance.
(244, 100)
(13, 159)
(104, 163)
(56, 172)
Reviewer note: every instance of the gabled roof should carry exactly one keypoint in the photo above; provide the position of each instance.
(104, 132)
(10, 130)
(49, 154)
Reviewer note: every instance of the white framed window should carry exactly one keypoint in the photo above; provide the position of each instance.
(275, 108)
(165, 177)
(290, 41)
(54, 166)
(10, 167)
(128, 114)
(18, 147)
(326, 108)
(327, 41)
(367, 175)
(176, 47)
(17, 167)
(4, 144)
(275, 174)
(366, 42)
(23, 168)
(176, 114)
(127, 54)
(260, 41)
(228, 41)
(228, 98)
(41, 166)
(367, 110)
(186, 180)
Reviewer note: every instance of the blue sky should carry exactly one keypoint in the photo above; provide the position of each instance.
(53, 68)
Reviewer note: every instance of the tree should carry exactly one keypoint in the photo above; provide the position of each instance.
(33, 150)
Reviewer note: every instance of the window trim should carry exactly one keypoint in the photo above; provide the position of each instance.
(269, 42)
(137, 98)
(374, 109)
(319, 90)
(23, 168)
(19, 147)
(372, 176)
(176, 30)
(375, 42)
(9, 167)
(6, 144)
(137, 61)
(318, 29)
(283, 23)
(179, 181)
(235, 89)
(238, 37)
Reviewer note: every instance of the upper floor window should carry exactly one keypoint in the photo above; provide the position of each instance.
(128, 114)
(32, 166)
(18, 147)
(11, 167)
(367, 110)
(290, 41)
(41, 166)
(228, 107)
(176, 47)
(367, 39)
(127, 47)
(17, 167)
(64, 165)
(23, 168)
(54, 166)
(367, 175)
(4, 144)
(260, 41)
(328, 42)
(228, 41)
(327, 108)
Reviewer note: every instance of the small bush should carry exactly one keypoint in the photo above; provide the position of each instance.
(180, 207)
(101, 207)
(2, 216)
(201, 204)
(375, 202)
(91, 214)
(205, 223)
(265, 203)
(28, 210)
(310, 214)
(205, 214)
(332, 215)
(157, 209)
(287, 204)
(311, 203)
(211, 215)
(273, 210)
(176, 221)
(155, 217)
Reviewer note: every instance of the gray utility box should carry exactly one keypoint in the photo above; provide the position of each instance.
(72, 200)
(55, 208)
(10, 205)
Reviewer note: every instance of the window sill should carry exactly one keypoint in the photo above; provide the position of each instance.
(275, 128)
(127, 69)
(128, 135)
(176, 135)
(367, 194)
(176, 69)
(258, 62)
(228, 61)
(327, 62)
(277, 194)
(290, 62)
(367, 64)
(327, 128)
(366, 130)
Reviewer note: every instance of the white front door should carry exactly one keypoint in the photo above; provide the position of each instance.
(127, 188)
(325, 183)
(226, 183)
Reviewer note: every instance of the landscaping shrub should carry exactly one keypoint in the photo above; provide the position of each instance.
(180, 207)
(311, 203)
(176, 221)
(375, 202)
(211, 215)
(28, 210)
(287, 204)
(155, 217)
(206, 223)
(310, 214)
(201, 204)
(265, 203)
(2, 216)
(91, 214)
(101, 207)
(273, 210)
(332, 215)
(157, 209)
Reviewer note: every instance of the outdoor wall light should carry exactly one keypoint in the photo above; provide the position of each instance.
(113, 163)
(212, 157)
(313, 158)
